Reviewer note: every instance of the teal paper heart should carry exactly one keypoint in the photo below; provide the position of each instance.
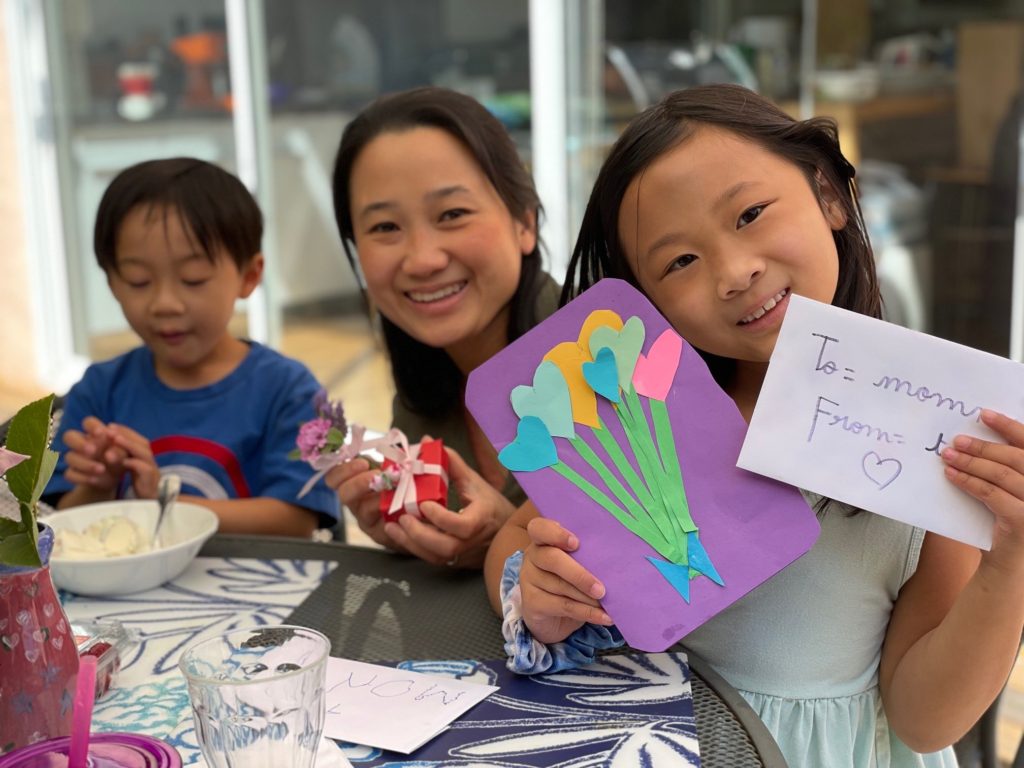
(548, 399)
(601, 375)
(532, 449)
(626, 344)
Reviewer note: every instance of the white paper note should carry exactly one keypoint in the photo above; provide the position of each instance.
(392, 708)
(857, 409)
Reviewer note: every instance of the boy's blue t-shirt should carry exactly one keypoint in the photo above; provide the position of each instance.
(228, 440)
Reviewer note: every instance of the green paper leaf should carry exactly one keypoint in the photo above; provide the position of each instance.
(19, 549)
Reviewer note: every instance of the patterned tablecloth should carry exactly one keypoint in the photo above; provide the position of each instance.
(211, 597)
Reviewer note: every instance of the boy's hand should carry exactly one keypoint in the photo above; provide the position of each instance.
(458, 538)
(138, 459)
(559, 595)
(351, 480)
(993, 473)
(92, 458)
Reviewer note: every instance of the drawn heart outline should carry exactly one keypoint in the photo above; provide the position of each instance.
(871, 470)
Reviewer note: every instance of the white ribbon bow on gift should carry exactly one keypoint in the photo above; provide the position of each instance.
(394, 446)
(407, 459)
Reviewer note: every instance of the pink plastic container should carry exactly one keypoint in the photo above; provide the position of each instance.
(106, 750)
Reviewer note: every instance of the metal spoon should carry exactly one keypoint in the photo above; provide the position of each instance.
(166, 492)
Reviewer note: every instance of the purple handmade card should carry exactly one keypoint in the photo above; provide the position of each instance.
(615, 428)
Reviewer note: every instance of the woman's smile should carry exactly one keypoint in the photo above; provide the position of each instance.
(435, 296)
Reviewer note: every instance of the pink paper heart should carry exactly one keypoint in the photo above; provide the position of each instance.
(655, 371)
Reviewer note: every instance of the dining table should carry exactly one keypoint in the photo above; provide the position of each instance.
(374, 605)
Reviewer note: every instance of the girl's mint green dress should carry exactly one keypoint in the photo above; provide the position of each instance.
(803, 648)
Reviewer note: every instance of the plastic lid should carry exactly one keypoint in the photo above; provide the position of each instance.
(106, 750)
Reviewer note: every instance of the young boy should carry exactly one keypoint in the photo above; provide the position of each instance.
(179, 240)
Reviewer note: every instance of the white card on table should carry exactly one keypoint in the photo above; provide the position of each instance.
(857, 409)
(392, 708)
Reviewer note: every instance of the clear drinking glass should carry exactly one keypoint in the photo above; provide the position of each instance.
(258, 696)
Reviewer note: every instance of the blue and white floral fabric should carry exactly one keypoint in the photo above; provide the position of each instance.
(619, 712)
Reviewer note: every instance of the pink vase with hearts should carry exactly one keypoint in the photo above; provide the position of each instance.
(38, 657)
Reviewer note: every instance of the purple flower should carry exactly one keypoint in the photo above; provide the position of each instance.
(312, 438)
(331, 410)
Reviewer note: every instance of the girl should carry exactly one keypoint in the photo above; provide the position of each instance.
(883, 642)
(430, 192)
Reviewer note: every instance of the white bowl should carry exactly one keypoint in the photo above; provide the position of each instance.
(186, 528)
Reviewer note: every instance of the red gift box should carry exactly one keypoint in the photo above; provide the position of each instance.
(423, 476)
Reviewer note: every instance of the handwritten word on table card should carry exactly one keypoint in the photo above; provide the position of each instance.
(393, 708)
(858, 410)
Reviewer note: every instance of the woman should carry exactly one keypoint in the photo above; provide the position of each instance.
(439, 219)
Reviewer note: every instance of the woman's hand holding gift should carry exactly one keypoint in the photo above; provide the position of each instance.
(558, 594)
(354, 483)
(455, 538)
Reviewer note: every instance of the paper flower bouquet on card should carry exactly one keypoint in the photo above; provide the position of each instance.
(410, 474)
(615, 428)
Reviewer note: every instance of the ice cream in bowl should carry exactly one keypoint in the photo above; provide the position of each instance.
(107, 548)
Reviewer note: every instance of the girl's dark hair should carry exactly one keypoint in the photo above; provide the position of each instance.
(811, 145)
(427, 380)
(214, 206)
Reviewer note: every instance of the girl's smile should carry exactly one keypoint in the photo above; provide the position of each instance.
(767, 314)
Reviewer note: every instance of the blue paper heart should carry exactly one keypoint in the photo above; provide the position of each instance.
(602, 376)
(532, 449)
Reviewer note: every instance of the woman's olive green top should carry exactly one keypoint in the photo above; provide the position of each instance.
(452, 427)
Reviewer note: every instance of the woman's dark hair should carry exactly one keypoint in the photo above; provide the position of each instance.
(811, 145)
(214, 206)
(440, 391)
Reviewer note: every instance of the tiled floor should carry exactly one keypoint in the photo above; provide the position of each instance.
(343, 355)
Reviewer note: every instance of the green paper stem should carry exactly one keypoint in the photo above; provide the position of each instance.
(670, 460)
(601, 498)
(650, 466)
(618, 458)
(671, 481)
(640, 516)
